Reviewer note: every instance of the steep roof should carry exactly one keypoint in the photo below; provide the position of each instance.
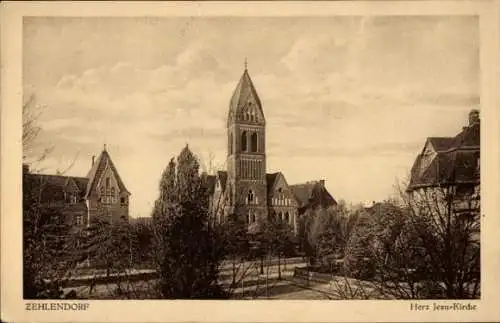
(98, 168)
(54, 186)
(440, 143)
(312, 194)
(242, 93)
(456, 160)
(303, 192)
(271, 179)
(468, 137)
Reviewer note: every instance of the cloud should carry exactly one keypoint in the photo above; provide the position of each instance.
(345, 94)
(189, 133)
(319, 149)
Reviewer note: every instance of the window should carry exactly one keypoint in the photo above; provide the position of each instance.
(244, 141)
(287, 217)
(254, 142)
(122, 201)
(250, 197)
(230, 143)
(79, 220)
(107, 181)
(73, 198)
(253, 217)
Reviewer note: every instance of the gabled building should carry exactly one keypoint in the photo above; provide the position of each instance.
(100, 193)
(246, 189)
(449, 168)
(446, 161)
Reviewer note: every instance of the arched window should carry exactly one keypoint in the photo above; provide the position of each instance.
(287, 217)
(250, 197)
(254, 142)
(253, 217)
(230, 143)
(244, 141)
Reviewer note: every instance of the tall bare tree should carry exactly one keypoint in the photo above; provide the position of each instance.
(33, 151)
(425, 246)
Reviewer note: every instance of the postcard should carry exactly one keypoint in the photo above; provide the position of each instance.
(250, 161)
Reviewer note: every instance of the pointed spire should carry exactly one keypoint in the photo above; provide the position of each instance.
(242, 95)
(246, 63)
(104, 148)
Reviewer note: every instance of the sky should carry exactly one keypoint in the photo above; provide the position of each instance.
(347, 99)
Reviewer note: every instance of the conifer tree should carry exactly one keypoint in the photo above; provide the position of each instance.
(187, 257)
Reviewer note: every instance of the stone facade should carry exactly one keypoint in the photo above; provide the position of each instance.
(245, 189)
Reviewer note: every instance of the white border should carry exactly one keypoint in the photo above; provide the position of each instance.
(242, 311)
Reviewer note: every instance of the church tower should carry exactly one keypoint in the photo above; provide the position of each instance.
(246, 189)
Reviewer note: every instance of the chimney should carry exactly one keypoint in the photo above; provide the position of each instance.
(473, 117)
(93, 160)
(26, 168)
(322, 182)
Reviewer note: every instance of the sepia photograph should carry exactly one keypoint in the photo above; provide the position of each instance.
(251, 158)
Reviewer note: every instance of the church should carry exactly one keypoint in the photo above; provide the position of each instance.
(246, 189)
